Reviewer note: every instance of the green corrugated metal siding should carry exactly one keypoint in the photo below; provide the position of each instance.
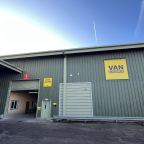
(38, 68)
(113, 97)
(110, 98)
(5, 76)
(3, 92)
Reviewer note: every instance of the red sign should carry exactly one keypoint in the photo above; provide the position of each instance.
(26, 76)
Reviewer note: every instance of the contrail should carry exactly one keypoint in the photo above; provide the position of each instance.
(95, 33)
(140, 19)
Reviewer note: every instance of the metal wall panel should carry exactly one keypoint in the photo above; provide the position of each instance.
(123, 98)
(25, 85)
(38, 68)
(76, 100)
(61, 99)
(5, 78)
(110, 98)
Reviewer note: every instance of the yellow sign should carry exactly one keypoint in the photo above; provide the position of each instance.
(47, 82)
(116, 69)
(38, 108)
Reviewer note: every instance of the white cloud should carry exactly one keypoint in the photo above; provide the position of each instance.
(21, 35)
(95, 33)
(140, 19)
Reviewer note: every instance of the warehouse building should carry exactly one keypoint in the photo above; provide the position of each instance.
(98, 82)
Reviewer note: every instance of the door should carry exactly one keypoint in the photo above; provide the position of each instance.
(46, 109)
(27, 107)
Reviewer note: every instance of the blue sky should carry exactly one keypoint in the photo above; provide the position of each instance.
(116, 21)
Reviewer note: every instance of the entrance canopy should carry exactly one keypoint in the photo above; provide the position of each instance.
(5, 66)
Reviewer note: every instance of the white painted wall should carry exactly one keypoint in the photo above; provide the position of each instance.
(21, 98)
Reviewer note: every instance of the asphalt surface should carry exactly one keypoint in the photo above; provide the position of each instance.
(18, 132)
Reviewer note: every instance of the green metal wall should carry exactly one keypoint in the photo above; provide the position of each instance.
(5, 77)
(4, 84)
(41, 67)
(124, 98)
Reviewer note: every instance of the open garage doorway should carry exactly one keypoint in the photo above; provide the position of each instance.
(22, 99)
(23, 104)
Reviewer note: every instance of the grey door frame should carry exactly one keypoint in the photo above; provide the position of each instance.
(10, 90)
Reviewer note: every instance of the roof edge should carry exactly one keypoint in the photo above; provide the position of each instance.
(106, 48)
(10, 66)
(74, 51)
